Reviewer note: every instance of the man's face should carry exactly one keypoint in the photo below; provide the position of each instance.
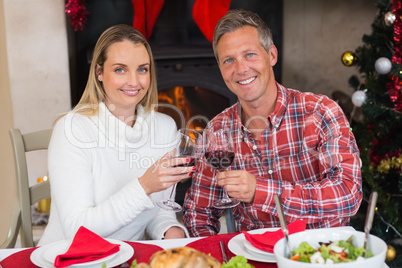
(245, 66)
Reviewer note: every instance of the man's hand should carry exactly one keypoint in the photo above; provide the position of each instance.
(238, 183)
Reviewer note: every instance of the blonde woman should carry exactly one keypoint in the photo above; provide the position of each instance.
(107, 157)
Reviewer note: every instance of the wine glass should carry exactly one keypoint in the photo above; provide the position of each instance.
(219, 153)
(186, 146)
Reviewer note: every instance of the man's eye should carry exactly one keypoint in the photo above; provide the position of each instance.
(227, 61)
(250, 55)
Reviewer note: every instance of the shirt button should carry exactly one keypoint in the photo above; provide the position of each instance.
(254, 147)
(264, 206)
(270, 172)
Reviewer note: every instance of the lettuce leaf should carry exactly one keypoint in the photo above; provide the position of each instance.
(237, 262)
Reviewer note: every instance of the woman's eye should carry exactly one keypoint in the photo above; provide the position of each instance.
(119, 70)
(143, 70)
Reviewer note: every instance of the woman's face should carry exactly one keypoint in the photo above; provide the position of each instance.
(125, 76)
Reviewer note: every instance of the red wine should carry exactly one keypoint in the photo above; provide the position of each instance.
(219, 159)
(187, 164)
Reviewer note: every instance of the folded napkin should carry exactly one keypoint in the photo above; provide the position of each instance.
(86, 246)
(267, 240)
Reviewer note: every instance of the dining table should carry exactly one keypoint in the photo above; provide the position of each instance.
(144, 249)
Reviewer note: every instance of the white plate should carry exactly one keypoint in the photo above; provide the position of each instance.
(39, 259)
(60, 247)
(252, 249)
(236, 245)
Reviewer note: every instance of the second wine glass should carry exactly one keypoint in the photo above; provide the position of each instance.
(219, 153)
(186, 143)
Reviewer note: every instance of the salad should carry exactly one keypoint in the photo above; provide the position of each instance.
(330, 253)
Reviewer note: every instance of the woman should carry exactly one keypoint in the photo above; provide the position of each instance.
(108, 160)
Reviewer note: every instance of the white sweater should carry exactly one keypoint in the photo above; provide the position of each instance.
(94, 166)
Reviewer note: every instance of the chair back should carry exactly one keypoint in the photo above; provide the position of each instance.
(27, 196)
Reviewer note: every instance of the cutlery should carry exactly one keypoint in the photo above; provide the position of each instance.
(284, 227)
(224, 255)
(369, 219)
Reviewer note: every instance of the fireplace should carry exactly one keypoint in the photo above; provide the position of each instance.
(187, 73)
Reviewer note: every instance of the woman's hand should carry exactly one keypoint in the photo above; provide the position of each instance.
(164, 173)
(174, 232)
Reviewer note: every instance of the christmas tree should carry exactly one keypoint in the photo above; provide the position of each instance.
(378, 95)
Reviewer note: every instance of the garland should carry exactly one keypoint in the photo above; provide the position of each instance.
(395, 87)
(77, 12)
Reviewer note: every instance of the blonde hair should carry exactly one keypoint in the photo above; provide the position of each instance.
(94, 92)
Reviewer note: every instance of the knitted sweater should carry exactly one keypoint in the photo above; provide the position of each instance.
(94, 165)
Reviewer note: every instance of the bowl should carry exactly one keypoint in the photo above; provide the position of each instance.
(377, 246)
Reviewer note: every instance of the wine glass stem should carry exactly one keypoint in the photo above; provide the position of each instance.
(225, 194)
(173, 190)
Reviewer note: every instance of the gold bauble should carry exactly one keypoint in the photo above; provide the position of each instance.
(391, 253)
(349, 58)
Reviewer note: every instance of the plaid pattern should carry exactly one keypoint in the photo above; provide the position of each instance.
(307, 155)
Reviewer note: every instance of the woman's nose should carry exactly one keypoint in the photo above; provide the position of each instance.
(132, 79)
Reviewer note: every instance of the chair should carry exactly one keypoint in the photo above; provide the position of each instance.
(27, 196)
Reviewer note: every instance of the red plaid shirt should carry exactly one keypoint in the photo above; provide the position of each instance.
(307, 155)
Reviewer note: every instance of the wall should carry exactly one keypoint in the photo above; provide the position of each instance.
(34, 78)
(8, 189)
(34, 82)
(316, 34)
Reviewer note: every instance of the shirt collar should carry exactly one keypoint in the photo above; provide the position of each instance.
(282, 101)
(275, 118)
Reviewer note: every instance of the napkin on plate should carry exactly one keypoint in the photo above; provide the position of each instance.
(267, 240)
(86, 246)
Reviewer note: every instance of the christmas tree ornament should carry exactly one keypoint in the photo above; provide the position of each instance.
(391, 253)
(349, 58)
(359, 97)
(77, 12)
(383, 65)
(389, 18)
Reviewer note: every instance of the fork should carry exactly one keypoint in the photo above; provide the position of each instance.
(223, 250)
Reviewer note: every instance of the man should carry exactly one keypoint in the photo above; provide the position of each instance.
(293, 144)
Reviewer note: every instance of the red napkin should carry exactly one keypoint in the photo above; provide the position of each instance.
(19, 259)
(142, 252)
(86, 246)
(267, 240)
